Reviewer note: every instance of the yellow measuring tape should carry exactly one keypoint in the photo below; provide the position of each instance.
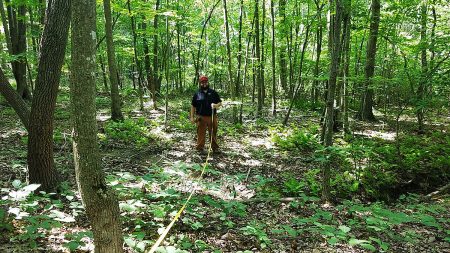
(167, 229)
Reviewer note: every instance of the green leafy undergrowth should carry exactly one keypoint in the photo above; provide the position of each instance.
(372, 227)
(36, 215)
(294, 138)
(385, 170)
(129, 131)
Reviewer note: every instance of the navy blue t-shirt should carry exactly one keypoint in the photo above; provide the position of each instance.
(202, 101)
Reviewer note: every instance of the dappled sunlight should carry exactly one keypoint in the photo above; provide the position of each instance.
(388, 136)
(103, 117)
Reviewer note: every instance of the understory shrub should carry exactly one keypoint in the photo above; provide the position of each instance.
(129, 131)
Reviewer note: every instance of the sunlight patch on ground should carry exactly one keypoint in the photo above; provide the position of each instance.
(13, 133)
(172, 171)
(161, 133)
(176, 153)
(103, 115)
(262, 142)
(252, 163)
(388, 136)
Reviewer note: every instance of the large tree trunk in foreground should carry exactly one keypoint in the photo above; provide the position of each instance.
(100, 202)
(41, 166)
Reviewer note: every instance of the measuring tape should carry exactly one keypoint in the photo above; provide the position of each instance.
(177, 216)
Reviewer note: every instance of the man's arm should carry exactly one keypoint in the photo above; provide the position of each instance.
(217, 100)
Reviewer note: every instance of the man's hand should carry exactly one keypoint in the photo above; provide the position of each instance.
(193, 120)
(215, 106)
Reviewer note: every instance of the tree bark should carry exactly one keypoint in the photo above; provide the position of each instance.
(365, 111)
(283, 35)
(230, 72)
(335, 35)
(41, 167)
(274, 83)
(420, 107)
(197, 59)
(319, 36)
(19, 44)
(166, 68)
(15, 100)
(296, 91)
(259, 83)
(5, 27)
(263, 59)
(100, 202)
(137, 64)
(147, 66)
(180, 70)
(116, 112)
(346, 63)
(239, 56)
(105, 80)
(155, 81)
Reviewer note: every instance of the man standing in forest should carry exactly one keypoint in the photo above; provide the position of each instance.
(204, 103)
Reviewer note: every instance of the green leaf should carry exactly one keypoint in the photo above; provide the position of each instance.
(344, 229)
(72, 245)
(354, 241)
(368, 246)
(197, 225)
(16, 183)
(31, 187)
(130, 242)
(333, 240)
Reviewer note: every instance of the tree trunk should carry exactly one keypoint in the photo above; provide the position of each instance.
(147, 66)
(335, 35)
(15, 100)
(167, 66)
(319, 36)
(155, 80)
(283, 35)
(197, 59)
(19, 44)
(137, 64)
(105, 80)
(420, 107)
(41, 167)
(180, 71)
(116, 112)
(365, 111)
(244, 78)
(296, 91)
(5, 28)
(263, 59)
(274, 83)
(341, 86)
(346, 63)
(259, 73)
(239, 58)
(100, 202)
(230, 72)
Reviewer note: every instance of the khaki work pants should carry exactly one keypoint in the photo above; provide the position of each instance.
(203, 123)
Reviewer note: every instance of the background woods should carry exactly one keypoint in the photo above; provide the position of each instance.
(334, 128)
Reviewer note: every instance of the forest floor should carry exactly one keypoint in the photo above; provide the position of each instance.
(253, 197)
